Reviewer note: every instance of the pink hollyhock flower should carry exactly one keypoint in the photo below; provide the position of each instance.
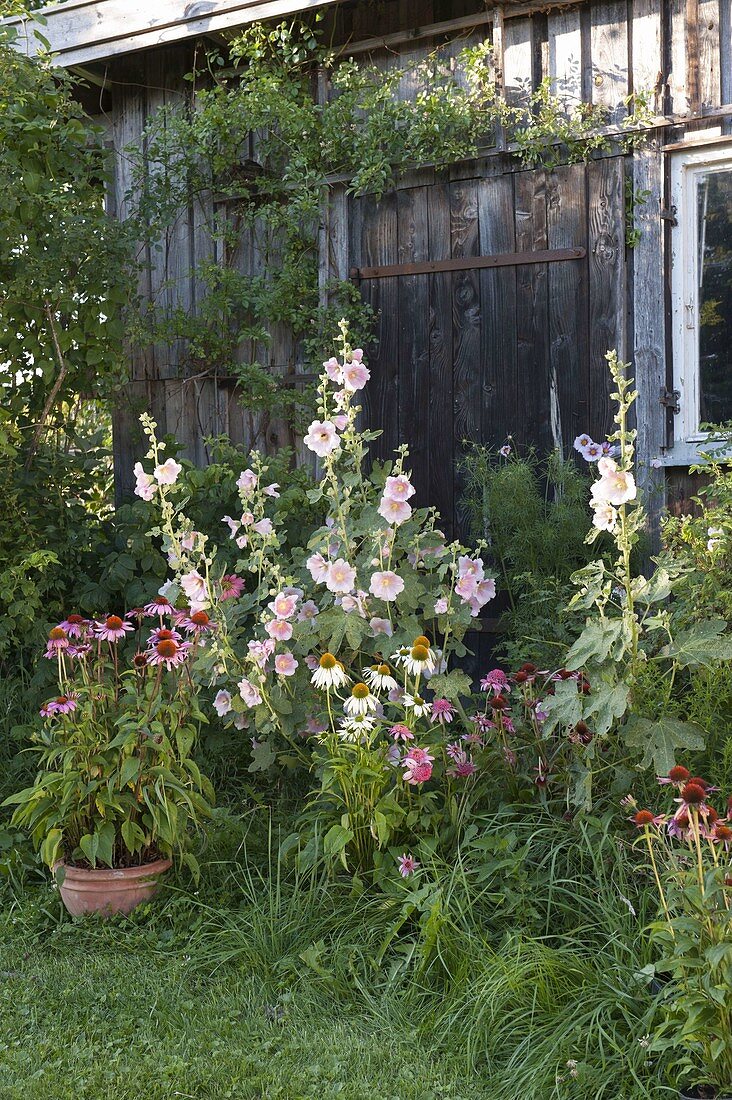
(318, 567)
(394, 511)
(271, 490)
(260, 652)
(284, 605)
(616, 487)
(188, 541)
(241, 722)
(246, 483)
(341, 422)
(333, 370)
(263, 527)
(194, 586)
(400, 732)
(158, 607)
(167, 472)
(112, 629)
(441, 606)
(466, 588)
(485, 591)
(231, 587)
(322, 438)
(309, 610)
(285, 664)
(380, 626)
(242, 542)
(145, 483)
(76, 626)
(470, 567)
(312, 662)
(357, 354)
(249, 693)
(399, 488)
(407, 865)
(168, 652)
(592, 452)
(222, 703)
(386, 586)
(355, 376)
(247, 519)
(232, 524)
(604, 516)
(354, 603)
(279, 629)
(340, 577)
(394, 755)
(313, 726)
(443, 710)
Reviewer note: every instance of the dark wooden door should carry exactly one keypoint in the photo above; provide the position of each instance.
(486, 354)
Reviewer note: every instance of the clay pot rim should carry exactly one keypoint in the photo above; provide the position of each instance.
(114, 874)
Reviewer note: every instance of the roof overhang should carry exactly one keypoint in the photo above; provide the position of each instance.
(82, 31)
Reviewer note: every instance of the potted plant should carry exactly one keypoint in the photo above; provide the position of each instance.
(689, 851)
(118, 794)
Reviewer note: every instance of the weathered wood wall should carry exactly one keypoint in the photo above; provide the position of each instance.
(473, 354)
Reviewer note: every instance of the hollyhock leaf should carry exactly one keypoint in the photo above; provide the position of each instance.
(451, 685)
(262, 756)
(564, 707)
(654, 589)
(590, 580)
(662, 742)
(703, 644)
(606, 704)
(594, 643)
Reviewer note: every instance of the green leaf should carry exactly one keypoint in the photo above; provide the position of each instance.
(129, 770)
(701, 644)
(336, 841)
(595, 642)
(89, 845)
(106, 836)
(263, 756)
(606, 704)
(450, 685)
(660, 741)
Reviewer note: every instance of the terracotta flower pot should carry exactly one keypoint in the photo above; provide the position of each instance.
(108, 891)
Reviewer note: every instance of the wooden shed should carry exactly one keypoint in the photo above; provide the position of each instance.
(498, 289)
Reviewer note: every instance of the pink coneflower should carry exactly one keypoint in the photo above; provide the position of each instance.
(81, 649)
(443, 710)
(57, 639)
(678, 776)
(63, 704)
(76, 626)
(693, 795)
(170, 653)
(197, 623)
(159, 606)
(496, 681)
(462, 769)
(400, 732)
(455, 750)
(231, 587)
(417, 766)
(645, 817)
(407, 865)
(112, 629)
(483, 723)
(163, 634)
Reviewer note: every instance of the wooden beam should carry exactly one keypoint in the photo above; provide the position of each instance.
(81, 31)
(469, 263)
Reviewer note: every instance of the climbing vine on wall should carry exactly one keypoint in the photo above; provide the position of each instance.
(268, 132)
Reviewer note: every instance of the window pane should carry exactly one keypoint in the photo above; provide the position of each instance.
(714, 210)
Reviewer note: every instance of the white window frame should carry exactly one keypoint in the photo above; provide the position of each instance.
(686, 167)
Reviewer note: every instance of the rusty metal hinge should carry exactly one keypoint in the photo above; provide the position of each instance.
(668, 214)
(671, 399)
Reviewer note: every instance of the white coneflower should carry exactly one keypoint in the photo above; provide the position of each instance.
(400, 656)
(355, 728)
(380, 678)
(419, 706)
(360, 701)
(420, 659)
(330, 673)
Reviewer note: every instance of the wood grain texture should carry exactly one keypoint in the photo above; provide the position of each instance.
(518, 60)
(532, 312)
(414, 351)
(709, 52)
(565, 55)
(647, 70)
(678, 95)
(607, 288)
(442, 441)
(649, 365)
(569, 381)
(500, 401)
(466, 326)
(609, 49)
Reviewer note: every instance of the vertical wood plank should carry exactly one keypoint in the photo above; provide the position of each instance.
(379, 246)
(709, 53)
(569, 381)
(606, 180)
(649, 360)
(647, 74)
(466, 328)
(532, 311)
(693, 86)
(518, 60)
(565, 55)
(725, 51)
(414, 355)
(500, 402)
(678, 95)
(442, 443)
(609, 48)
